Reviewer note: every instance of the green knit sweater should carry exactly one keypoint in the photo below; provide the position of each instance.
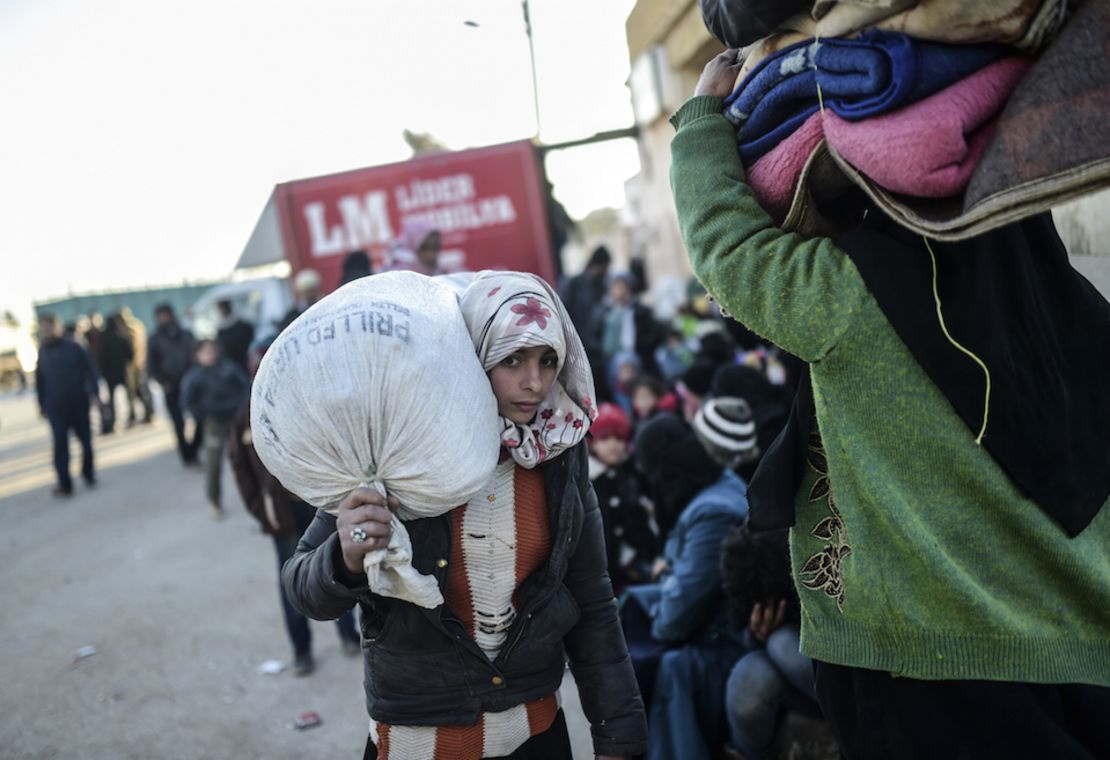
(913, 552)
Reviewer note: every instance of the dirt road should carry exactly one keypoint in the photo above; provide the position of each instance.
(181, 611)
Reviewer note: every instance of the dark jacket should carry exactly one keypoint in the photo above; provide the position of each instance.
(265, 498)
(217, 391)
(625, 513)
(688, 604)
(169, 355)
(647, 331)
(421, 666)
(116, 353)
(65, 377)
(581, 295)
(235, 341)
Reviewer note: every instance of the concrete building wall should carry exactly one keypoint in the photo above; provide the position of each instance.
(668, 47)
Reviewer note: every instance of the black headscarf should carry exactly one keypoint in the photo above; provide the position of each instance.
(675, 464)
(1011, 297)
(737, 23)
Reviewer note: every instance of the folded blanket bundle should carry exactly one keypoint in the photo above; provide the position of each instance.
(857, 79)
(949, 140)
(927, 149)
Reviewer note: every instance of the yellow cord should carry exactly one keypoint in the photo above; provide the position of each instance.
(976, 359)
(820, 95)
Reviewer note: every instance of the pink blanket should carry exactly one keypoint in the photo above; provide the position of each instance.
(774, 177)
(927, 149)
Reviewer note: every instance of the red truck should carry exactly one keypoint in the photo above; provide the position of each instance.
(490, 205)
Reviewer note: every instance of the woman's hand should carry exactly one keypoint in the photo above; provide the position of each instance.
(766, 618)
(364, 511)
(719, 75)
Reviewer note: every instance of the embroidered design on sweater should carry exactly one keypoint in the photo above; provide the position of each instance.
(824, 571)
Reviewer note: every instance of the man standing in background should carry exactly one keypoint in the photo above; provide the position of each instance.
(137, 385)
(64, 380)
(234, 334)
(169, 356)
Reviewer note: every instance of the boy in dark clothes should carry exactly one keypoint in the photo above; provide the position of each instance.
(213, 391)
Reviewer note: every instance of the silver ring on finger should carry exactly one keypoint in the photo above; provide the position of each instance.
(358, 535)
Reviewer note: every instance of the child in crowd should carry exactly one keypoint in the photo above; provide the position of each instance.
(674, 355)
(649, 397)
(630, 539)
(624, 371)
(213, 391)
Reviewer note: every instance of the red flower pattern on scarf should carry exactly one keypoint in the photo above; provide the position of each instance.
(531, 311)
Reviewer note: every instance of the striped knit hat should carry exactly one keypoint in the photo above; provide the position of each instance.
(726, 429)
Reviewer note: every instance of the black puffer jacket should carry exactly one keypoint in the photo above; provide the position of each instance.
(421, 666)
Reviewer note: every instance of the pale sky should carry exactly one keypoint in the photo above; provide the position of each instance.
(141, 140)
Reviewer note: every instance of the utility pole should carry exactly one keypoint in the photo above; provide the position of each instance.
(524, 5)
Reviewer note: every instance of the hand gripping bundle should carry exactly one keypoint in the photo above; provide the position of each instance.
(378, 385)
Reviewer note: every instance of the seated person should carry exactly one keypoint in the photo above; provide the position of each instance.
(680, 637)
(630, 540)
(773, 677)
(650, 396)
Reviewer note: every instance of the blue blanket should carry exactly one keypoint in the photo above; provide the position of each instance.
(859, 78)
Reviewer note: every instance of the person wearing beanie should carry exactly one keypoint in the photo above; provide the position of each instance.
(681, 639)
(630, 541)
(728, 431)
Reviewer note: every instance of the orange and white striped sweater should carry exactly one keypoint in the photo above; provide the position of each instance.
(498, 540)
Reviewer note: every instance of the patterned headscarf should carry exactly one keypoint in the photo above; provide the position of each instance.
(509, 311)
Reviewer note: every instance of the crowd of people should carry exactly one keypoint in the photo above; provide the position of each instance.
(686, 406)
(712, 529)
(709, 612)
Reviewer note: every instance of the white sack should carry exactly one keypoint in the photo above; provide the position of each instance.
(378, 384)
